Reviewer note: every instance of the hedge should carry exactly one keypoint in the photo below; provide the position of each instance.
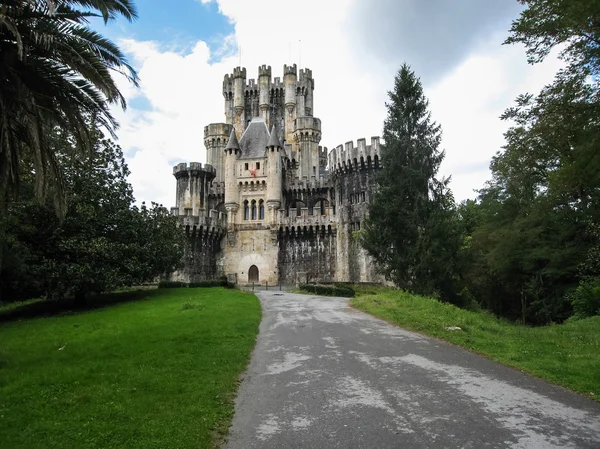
(198, 284)
(329, 290)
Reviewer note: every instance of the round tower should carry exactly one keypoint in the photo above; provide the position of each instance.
(239, 101)
(193, 182)
(228, 95)
(289, 81)
(264, 85)
(307, 135)
(275, 175)
(216, 136)
(232, 153)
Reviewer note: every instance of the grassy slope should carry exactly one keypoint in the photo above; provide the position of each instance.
(154, 373)
(567, 354)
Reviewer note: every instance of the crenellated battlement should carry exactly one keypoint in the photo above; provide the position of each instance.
(193, 169)
(347, 157)
(264, 70)
(307, 123)
(290, 70)
(239, 72)
(305, 74)
(217, 130)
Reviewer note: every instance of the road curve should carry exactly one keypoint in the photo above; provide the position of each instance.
(324, 375)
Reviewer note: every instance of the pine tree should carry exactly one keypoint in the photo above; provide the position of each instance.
(410, 229)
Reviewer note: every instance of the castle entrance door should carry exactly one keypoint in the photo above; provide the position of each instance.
(253, 274)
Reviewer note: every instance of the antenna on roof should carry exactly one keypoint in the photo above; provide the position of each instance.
(299, 54)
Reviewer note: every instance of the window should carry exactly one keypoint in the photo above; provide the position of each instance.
(314, 170)
(246, 211)
(362, 197)
(246, 166)
(261, 210)
(253, 208)
(257, 165)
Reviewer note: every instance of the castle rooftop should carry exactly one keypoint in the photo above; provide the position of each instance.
(255, 139)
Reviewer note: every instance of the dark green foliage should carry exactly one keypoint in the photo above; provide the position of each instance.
(586, 298)
(411, 229)
(103, 242)
(532, 234)
(55, 71)
(197, 284)
(329, 290)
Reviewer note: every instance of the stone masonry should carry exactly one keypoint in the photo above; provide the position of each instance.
(271, 205)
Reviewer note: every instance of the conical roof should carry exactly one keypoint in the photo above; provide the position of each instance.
(233, 143)
(274, 139)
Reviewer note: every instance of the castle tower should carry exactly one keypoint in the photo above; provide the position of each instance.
(289, 83)
(216, 136)
(193, 183)
(232, 152)
(275, 175)
(307, 135)
(239, 100)
(264, 85)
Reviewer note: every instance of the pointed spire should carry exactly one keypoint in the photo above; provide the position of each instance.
(274, 139)
(233, 143)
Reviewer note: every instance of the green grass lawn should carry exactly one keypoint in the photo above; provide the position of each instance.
(160, 371)
(566, 354)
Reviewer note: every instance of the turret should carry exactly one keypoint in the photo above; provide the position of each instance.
(232, 153)
(308, 83)
(264, 85)
(216, 136)
(192, 187)
(228, 96)
(275, 175)
(307, 135)
(289, 82)
(239, 85)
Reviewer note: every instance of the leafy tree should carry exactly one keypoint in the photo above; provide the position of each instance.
(544, 197)
(103, 242)
(54, 71)
(411, 229)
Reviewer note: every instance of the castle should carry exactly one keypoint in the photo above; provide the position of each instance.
(270, 205)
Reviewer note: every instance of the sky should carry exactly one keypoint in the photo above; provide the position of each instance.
(183, 48)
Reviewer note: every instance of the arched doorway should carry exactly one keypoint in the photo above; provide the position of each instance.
(253, 274)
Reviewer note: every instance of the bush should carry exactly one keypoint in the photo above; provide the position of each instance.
(328, 290)
(586, 298)
(221, 282)
(206, 284)
(171, 284)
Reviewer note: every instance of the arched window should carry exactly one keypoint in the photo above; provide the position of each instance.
(261, 210)
(246, 211)
(253, 207)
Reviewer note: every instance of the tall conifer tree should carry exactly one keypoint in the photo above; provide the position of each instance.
(410, 226)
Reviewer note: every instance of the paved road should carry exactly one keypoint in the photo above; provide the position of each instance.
(324, 375)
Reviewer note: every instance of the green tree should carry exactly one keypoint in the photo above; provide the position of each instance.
(103, 241)
(411, 229)
(544, 197)
(54, 71)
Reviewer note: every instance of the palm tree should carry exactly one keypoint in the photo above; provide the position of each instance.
(55, 71)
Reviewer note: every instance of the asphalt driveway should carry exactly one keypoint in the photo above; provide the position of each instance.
(324, 375)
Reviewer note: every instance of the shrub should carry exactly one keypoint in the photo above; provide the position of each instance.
(171, 284)
(586, 298)
(328, 290)
(206, 284)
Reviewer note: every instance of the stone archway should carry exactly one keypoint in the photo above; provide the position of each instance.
(253, 274)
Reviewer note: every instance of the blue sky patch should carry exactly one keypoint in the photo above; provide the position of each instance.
(177, 26)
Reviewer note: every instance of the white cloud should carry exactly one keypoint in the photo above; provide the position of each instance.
(184, 91)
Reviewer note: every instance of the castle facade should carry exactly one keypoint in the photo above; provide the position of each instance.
(271, 205)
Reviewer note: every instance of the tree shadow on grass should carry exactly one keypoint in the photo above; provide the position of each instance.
(46, 308)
